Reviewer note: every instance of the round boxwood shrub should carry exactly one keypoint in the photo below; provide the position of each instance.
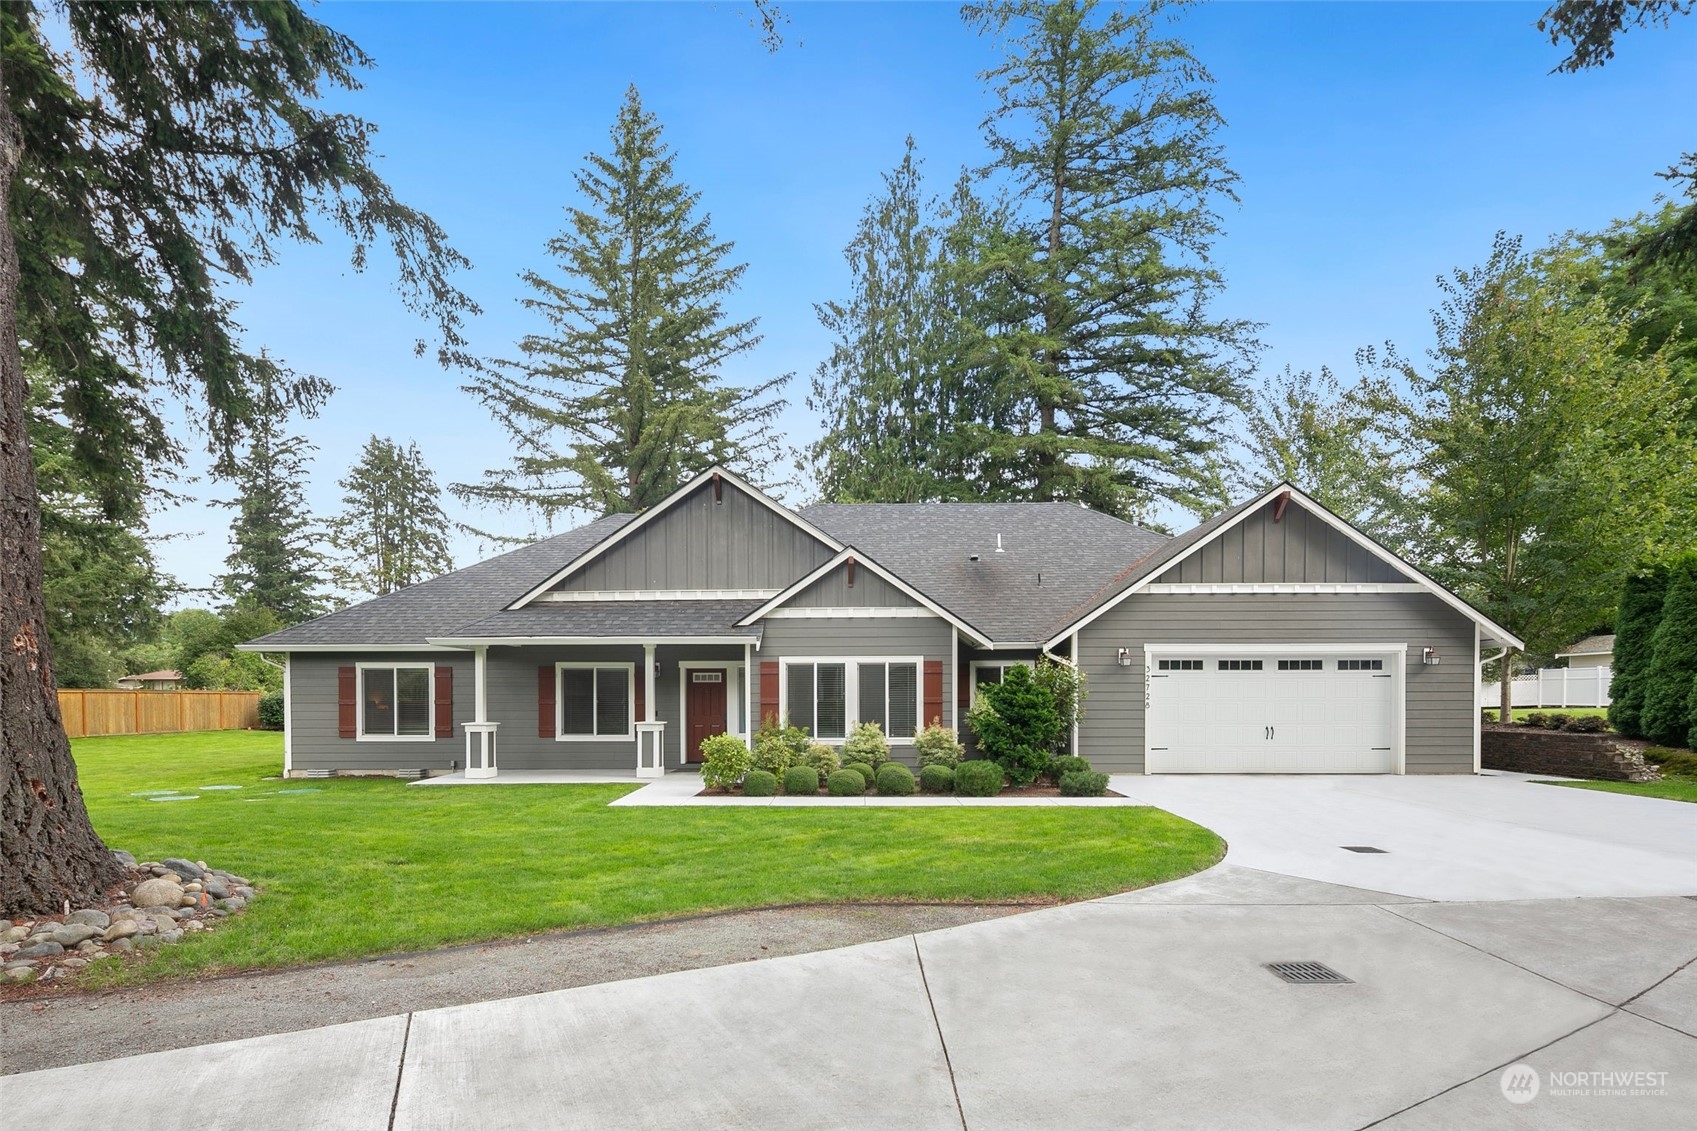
(867, 774)
(1067, 764)
(845, 783)
(271, 711)
(895, 779)
(1084, 783)
(801, 781)
(1587, 724)
(978, 778)
(760, 783)
(937, 778)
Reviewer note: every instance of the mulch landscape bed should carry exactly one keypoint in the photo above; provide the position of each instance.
(1010, 791)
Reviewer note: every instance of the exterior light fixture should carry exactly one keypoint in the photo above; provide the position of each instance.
(1429, 656)
(1125, 657)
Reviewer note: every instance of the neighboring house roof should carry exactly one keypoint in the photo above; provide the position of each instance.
(1591, 646)
(1054, 556)
(167, 674)
(610, 620)
(441, 605)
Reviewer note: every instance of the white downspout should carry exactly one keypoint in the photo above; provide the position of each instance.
(748, 692)
(288, 710)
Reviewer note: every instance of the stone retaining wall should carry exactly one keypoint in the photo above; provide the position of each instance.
(1533, 750)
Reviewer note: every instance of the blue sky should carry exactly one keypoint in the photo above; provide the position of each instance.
(1380, 145)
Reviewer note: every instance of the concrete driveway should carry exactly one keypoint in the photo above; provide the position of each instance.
(1149, 1009)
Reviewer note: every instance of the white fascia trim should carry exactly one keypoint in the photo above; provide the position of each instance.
(1497, 631)
(462, 644)
(860, 558)
(1287, 649)
(1228, 588)
(661, 507)
(847, 611)
(554, 596)
(427, 647)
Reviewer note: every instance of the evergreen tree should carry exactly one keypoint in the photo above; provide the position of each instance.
(1103, 137)
(625, 395)
(392, 531)
(1669, 710)
(1639, 612)
(899, 411)
(273, 562)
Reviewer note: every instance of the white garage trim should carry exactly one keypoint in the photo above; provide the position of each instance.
(1396, 654)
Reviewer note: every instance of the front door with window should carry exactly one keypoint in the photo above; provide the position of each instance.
(704, 708)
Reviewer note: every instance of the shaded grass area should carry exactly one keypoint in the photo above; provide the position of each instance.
(1670, 788)
(1519, 713)
(368, 866)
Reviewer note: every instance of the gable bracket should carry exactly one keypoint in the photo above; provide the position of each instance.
(1279, 505)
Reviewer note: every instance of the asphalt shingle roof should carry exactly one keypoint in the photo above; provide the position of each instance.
(1054, 556)
(443, 604)
(1591, 646)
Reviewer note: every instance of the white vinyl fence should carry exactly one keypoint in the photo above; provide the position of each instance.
(1554, 687)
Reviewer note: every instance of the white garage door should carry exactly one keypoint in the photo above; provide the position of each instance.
(1263, 712)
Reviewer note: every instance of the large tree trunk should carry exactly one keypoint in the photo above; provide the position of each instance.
(1505, 686)
(49, 852)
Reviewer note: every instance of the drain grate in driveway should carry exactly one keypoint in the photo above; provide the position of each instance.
(1307, 973)
(1361, 848)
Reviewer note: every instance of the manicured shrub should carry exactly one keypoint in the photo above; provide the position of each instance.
(895, 780)
(1674, 763)
(938, 745)
(1067, 686)
(1084, 783)
(1558, 720)
(1017, 724)
(801, 781)
(845, 783)
(1536, 719)
(1587, 724)
(759, 783)
(1669, 714)
(866, 743)
(867, 774)
(981, 777)
(1067, 764)
(271, 711)
(823, 759)
(1640, 610)
(724, 760)
(937, 778)
(778, 748)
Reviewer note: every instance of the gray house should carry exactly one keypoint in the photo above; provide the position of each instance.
(1274, 638)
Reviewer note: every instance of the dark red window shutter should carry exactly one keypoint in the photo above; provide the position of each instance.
(545, 701)
(933, 692)
(641, 693)
(347, 703)
(444, 701)
(768, 691)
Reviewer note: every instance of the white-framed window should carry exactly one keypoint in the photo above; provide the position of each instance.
(827, 697)
(396, 702)
(594, 701)
(992, 671)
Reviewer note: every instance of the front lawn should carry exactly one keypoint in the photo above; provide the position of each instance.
(1519, 713)
(1672, 788)
(355, 867)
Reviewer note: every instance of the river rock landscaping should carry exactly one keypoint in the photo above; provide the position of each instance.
(157, 903)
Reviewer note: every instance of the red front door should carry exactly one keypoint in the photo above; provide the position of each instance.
(704, 708)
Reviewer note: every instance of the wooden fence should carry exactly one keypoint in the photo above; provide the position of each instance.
(92, 712)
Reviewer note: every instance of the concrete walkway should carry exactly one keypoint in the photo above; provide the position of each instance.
(1149, 1009)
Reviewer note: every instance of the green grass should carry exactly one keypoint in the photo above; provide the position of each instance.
(370, 866)
(1519, 713)
(1671, 789)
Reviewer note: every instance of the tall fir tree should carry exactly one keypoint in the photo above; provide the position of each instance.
(625, 394)
(392, 531)
(274, 562)
(1103, 135)
(1670, 710)
(1636, 618)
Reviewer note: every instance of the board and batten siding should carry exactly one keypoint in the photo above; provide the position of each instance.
(313, 734)
(738, 543)
(833, 591)
(1301, 547)
(931, 638)
(1440, 698)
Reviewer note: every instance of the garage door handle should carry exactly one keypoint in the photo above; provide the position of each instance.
(1269, 731)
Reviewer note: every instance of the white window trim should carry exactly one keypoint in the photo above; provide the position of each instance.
(851, 691)
(972, 667)
(429, 734)
(560, 734)
(735, 682)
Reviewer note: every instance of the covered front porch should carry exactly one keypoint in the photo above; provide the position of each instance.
(584, 708)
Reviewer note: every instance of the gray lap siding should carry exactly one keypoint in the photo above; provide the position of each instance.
(1440, 698)
(313, 729)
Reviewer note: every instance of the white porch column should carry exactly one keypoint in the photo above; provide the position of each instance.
(480, 757)
(480, 681)
(648, 682)
(650, 733)
(748, 676)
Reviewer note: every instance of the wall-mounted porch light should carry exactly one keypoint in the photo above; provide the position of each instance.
(1429, 656)
(1125, 657)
